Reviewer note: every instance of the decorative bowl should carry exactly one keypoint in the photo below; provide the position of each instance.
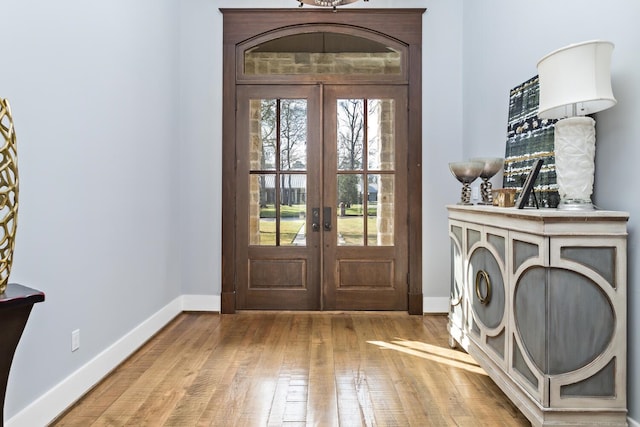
(491, 166)
(466, 172)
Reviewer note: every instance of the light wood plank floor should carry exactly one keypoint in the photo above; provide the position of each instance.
(297, 369)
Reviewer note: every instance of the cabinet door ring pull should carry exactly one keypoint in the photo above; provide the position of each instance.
(480, 276)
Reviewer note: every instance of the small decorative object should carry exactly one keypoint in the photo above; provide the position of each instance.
(466, 173)
(504, 197)
(575, 81)
(8, 193)
(528, 185)
(491, 167)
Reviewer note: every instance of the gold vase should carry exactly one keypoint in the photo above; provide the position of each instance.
(8, 193)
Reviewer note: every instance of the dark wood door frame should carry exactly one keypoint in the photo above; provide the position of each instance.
(242, 25)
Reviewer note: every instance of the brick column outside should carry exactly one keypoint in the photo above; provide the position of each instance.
(255, 161)
(385, 214)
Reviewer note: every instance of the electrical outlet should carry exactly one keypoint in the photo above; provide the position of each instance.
(475, 193)
(75, 340)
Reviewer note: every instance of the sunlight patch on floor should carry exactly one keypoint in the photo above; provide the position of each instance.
(445, 356)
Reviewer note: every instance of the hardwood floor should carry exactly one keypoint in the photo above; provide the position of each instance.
(297, 369)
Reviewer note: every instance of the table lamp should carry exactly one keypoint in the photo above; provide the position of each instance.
(575, 81)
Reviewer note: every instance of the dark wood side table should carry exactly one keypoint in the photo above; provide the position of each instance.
(15, 306)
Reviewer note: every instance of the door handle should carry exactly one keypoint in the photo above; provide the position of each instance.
(315, 219)
(327, 219)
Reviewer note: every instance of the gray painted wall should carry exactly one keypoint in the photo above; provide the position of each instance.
(201, 145)
(118, 109)
(94, 91)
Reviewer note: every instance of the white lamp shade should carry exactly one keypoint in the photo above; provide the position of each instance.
(576, 75)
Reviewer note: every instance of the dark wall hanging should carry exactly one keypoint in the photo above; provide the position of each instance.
(529, 139)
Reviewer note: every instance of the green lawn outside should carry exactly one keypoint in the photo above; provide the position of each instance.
(294, 211)
(286, 211)
(288, 232)
(350, 225)
(351, 230)
(357, 210)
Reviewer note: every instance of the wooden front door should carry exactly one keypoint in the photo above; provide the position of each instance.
(321, 197)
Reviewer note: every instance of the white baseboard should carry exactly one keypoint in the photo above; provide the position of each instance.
(435, 305)
(55, 401)
(632, 422)
(201, 303)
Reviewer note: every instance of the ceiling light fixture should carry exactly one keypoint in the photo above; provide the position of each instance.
(326, 3)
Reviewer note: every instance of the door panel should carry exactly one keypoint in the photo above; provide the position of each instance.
(365, 181)
(278, 160)
(321, 204)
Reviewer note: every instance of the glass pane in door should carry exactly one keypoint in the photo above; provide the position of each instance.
(262, 202)
(293, 134)
(263, 134)
(277, 175)
(323, 53)
(293, 208)
(351, 122)
(381, 134)
(350, 211)
(365, 154)
(380, 210)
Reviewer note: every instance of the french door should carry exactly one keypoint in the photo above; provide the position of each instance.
(321, 203)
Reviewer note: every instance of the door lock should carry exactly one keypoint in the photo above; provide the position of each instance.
(315, 219)
(327, 218)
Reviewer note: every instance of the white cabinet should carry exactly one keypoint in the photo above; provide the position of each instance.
(538, 298)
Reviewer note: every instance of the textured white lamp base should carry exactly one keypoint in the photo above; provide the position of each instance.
(575, 149)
